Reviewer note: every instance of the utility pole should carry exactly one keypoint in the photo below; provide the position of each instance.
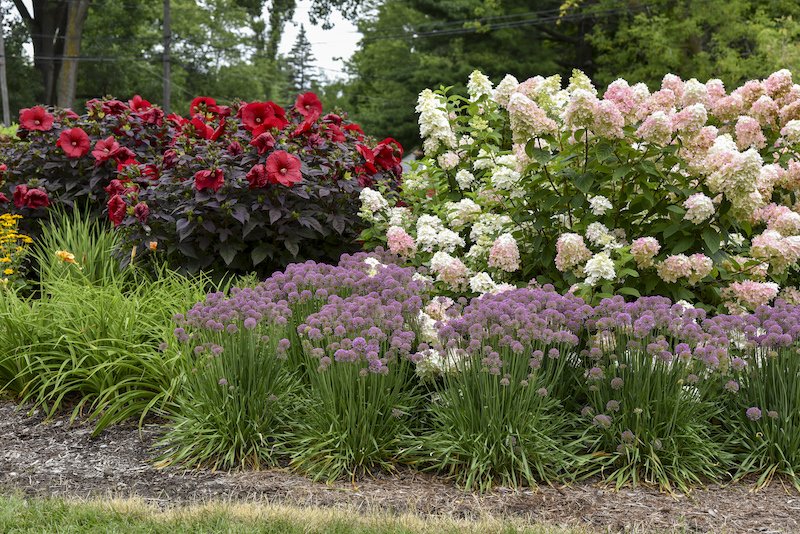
(167, 38)
(3, 80)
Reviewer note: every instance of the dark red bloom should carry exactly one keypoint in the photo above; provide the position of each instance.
(214, 180)
(93, 106)
(113, 107)
(203, 105)
(153, 116)
(263, 142)
(388, 153)
(369, 156)
(37, 198)
(334, 118)
(170, 158)
(309, 106)
(115, 188)
(224, 111)
(141, 211)
(20, 195)
(116, 209)
(36, 118)
(104, 150)
(283, 168)
(333, 133)
(124, 154)
(3, 198)
(255, 114)
(201, 129)
(257, 176)
(137, 103)
(353, 128)
(303, 127)
(235, 148)
(75, 142)
(3, 167)
(177, 120)
(70, 114)
(364, 180)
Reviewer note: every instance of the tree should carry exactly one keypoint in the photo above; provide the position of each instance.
(300, 66)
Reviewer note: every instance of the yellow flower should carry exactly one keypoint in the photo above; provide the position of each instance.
(5, 260)
(65, 256)
(4, 281)
(8, 271)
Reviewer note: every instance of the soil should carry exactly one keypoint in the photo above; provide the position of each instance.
(54, 458)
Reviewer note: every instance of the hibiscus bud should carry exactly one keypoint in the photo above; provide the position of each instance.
(141, 211)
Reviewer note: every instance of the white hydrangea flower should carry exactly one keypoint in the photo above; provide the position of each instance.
(599, 205)
(599, 266)
(462, 212)
(736, 239)
(399, 216)
(484, 160)
(791, 132)
(434, 122)
(373, 264)
(503, 91)
(448, 240)
(482, 283)
(465, 179)
(478, 85)
(505, 178)
(596, 233)
(372, 200)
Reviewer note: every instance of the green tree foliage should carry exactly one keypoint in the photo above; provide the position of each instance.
(299, 68)
(24, 81)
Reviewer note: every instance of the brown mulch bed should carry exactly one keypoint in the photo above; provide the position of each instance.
(57, 459)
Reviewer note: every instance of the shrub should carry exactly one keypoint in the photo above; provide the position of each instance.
(234, 189)
(687, 192)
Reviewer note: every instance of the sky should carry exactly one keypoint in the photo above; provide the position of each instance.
(327, 45)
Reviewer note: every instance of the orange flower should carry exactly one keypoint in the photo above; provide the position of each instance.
(65, 256)
(153, 245)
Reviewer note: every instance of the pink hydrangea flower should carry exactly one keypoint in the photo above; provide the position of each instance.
(400, 242)
(570, 251)
(698, 208)
(749, 134)
(644, 250)
(504, 253)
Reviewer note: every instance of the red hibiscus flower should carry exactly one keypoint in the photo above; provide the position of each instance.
(124, 154)
(302, 128)
(153, 116)
(283, 168)
(117, 188)
(36, 118)
(3, 168)
(354, 128)
(214, 180)
(75, 142)
(369, 156)
(203, 105)
(235, 148)
(257, 176)
(20, 195)
(255, 113)
(201, 129)
(104, 150)
(309, 106)
(334, 118)
(141, 211)
(113, 107)
(224, 111)
(388, 153)
(169, 159)
(177, 120)
(333, 133)
(37, 198)
(137, 103)
(263, 142)
(116, 209)
(3, 198)
(68, 113)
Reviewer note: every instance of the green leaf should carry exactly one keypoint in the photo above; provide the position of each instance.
(671, 230)
(621, 172)
(632, 291)
(292, 247)
(628, 272)
(711, 238)
(228, 253)
(683, 244)
(584, 182)
(541, 156)
(604, 151)
(261, 252)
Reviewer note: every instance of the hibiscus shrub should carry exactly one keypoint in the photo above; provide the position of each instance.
(241, 188)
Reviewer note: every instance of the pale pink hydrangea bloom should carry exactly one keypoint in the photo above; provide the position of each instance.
(695, 92)
(690, 119)
(621, 94)
(780, 252)
(787, 223)
(599, 266)
(790, 178)
(674, 84)
(448, 160)
(449, 270)
(695, 147)
(570, 251)
(735, 174)
(778, 83)
(644, 250)
(437, 308)
(657, 128)
(674, 267)
(791, 132)
(528, 120)
(582, 109)
(751, 91)
(751, 294)
(728, 108)
(400, 242)
(608, 121)
(749, 134)
(702, 266)
(504, 253)
(523, 160)
(764, 110)
(529, 87)
(504, 89)
(791, 295)
(789, 112)
(698, 208)
(663, 100)
(716, 90)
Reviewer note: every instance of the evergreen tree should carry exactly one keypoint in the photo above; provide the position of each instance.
(301, 74)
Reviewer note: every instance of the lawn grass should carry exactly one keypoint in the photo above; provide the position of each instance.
(20, 514)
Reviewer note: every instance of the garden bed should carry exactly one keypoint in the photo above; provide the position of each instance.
(57, 459)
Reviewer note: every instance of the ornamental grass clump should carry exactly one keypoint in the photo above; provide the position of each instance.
(360, 353)
(762, 413)
(499, 412)
(234, 386)
(650, 377)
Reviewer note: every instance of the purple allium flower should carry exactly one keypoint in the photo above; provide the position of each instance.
(552, 353)
(524, 383)
(199, 349)
(504, 381)
(250, 323)
(164, 346)
(542, 392)
(595, 373)
(738, 364)
(617, 383)
(628, 437)
(656, 444)
(397, 413)
(178, 332)
(732, 386)
(621, 448)
(231, 328)
(754, 414)
(772, 414)
(535, 364)
(587, 411)
(223, 382)
(692, 379)
(612, 406)
(602, 421)
(594, 388)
